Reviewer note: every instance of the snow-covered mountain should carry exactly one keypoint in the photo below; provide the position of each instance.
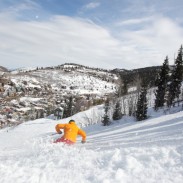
(78, 80)
(52, 87)
(126, 151)
(3, 69)
(70, 78)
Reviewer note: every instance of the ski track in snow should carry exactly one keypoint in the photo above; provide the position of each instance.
(124, 152)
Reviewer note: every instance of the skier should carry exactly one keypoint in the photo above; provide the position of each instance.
(71, 130)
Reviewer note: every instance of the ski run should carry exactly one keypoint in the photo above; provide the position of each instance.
(127, 151)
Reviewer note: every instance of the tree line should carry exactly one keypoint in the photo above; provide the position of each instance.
(167, 84)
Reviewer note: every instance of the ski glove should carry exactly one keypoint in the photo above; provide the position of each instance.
(83, 141)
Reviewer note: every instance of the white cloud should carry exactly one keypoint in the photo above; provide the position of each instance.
(22, 5)
(134, 21)
(88, 7)
(61, 39)
(64, 39)
(92, 5)
(150, 44)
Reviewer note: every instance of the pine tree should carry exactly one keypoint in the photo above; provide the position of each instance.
(106, 120)
(176, 78)
(41, 114)
(117, 111)
(37, 115)
(68, 108)
(162, 85)
(125, 87)
(141, 112)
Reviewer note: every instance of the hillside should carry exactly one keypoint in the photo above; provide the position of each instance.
(31, 93)
(3, 69)
(70, 78)
(148, 74)
(126, 151)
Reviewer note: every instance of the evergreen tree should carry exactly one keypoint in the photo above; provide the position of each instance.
(117, 111)
(106, 120)
(141, 112)
(48, 110)
(37, 115)
(125, 87)
(68, 108)
(176, 79)
(162, 85)
(41, 114)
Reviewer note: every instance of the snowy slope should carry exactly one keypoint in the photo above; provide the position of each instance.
(125, 152)
(69, 79)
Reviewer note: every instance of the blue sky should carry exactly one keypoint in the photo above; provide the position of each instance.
(102, 33)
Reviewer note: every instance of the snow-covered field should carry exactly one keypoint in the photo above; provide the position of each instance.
(124, 152)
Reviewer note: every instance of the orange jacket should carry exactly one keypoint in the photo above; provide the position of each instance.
(71, 131)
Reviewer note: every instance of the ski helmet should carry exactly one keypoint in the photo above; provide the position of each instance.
(71, 121)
